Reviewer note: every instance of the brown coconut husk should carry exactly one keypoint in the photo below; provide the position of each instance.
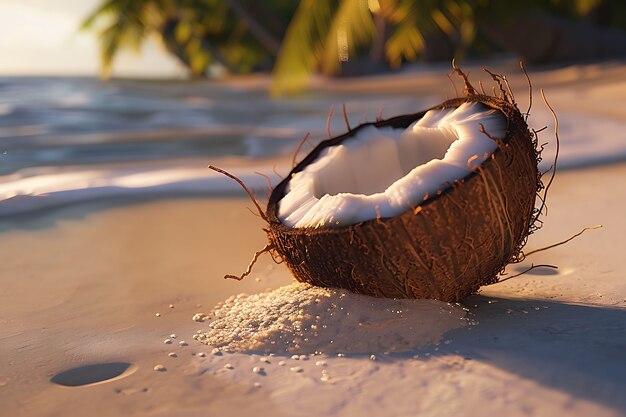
(448, 244)
(445, 247)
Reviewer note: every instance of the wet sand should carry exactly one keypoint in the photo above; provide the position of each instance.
(82, 285)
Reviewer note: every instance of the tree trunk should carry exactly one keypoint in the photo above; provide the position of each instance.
(377, 50)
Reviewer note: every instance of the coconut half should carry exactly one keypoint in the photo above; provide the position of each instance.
(427, 205)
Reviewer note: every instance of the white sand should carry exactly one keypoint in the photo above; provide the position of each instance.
(82, 285)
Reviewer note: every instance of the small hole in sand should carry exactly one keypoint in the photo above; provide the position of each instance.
(93, 374)
(542, 270)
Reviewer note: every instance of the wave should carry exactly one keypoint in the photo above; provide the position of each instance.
(59, 189)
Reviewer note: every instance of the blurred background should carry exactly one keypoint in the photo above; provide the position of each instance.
(113, 97)
(114, 233)
(292, 39)
(213, 38)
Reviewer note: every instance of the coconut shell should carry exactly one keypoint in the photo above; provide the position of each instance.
(451, 244)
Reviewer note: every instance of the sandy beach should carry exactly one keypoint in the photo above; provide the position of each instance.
(104, 270)
(83, 285)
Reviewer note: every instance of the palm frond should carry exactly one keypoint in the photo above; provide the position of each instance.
(405, 42)
(352, 26)
(106, 8)
(127, 29)
(299, 52)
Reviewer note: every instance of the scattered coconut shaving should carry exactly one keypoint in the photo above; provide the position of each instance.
(300, 318)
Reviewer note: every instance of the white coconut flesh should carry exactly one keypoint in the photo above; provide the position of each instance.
(383, 172)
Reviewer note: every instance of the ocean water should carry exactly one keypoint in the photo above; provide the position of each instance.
(64, 140)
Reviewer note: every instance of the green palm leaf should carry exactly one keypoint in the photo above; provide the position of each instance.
(352, 26)
(300, 51)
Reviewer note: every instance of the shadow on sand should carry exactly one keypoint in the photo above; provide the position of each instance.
(577, 349)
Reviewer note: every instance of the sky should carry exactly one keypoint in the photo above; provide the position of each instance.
(42, 37)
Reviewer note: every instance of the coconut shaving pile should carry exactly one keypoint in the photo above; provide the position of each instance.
(300, 318)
